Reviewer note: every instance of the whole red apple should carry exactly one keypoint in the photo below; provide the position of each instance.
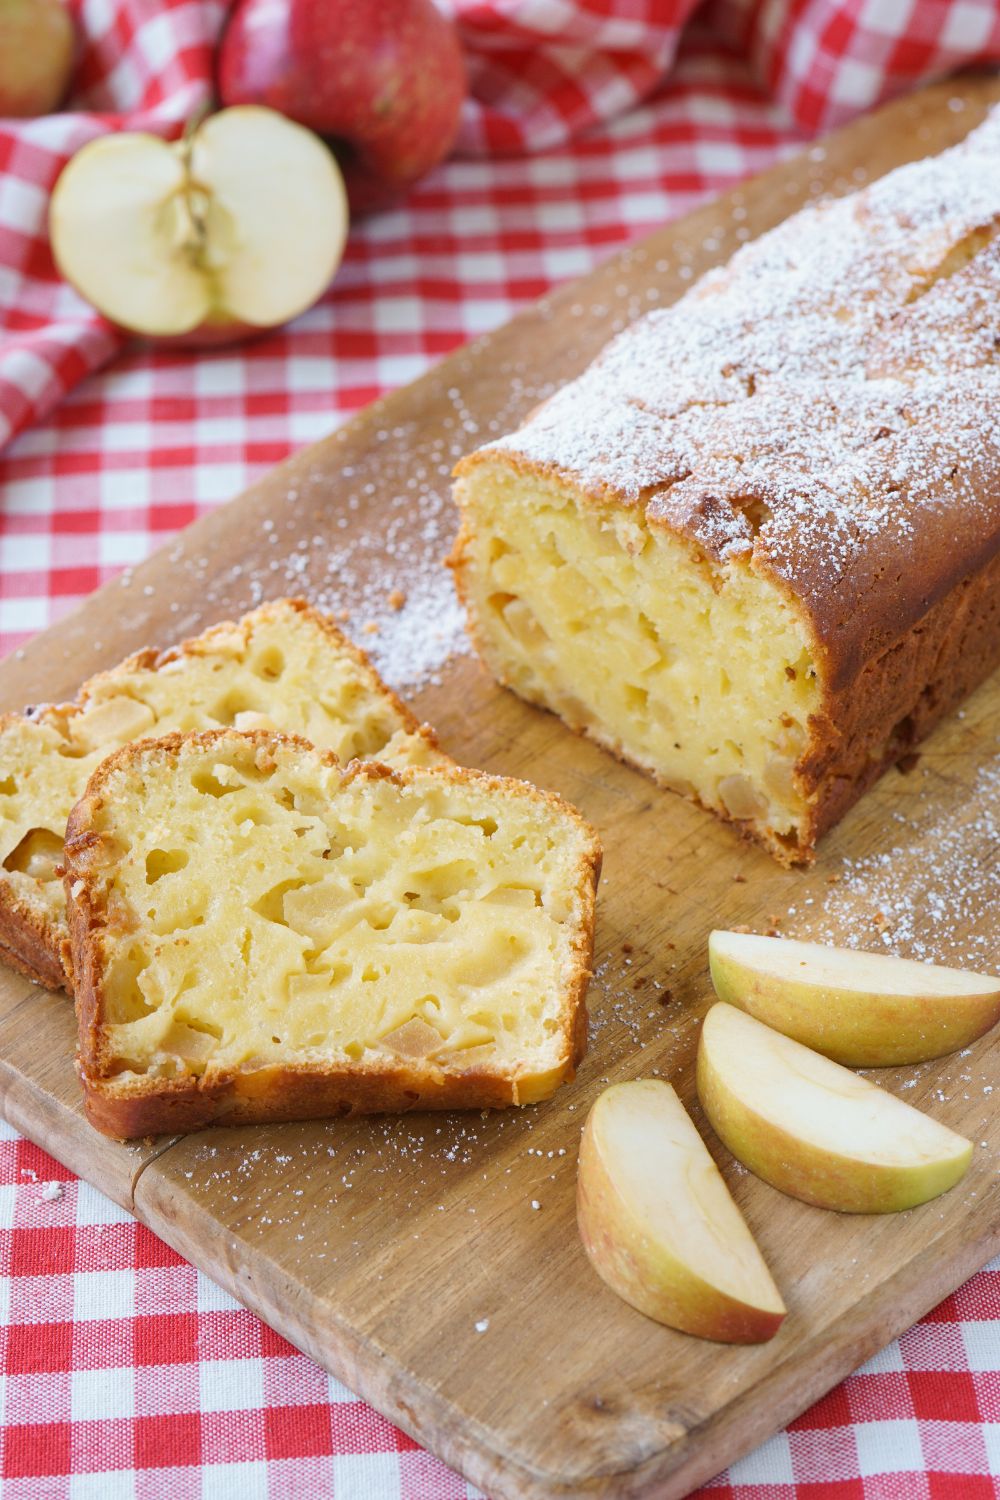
(382, 80)
(37, 42)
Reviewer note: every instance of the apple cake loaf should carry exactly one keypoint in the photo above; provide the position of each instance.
(260, 934)
(753, 549)
(284, 665)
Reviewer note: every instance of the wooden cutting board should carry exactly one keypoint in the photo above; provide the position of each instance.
(432, 1262)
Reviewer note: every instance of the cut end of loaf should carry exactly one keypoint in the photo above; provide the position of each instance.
(259, 934)
(699, 672)
(752, 548)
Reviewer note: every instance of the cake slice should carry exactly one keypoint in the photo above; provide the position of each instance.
(285, 665)
(755, 548)
(260, 934)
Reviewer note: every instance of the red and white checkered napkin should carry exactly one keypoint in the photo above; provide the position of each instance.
(123, 1373)
(128, 1376)
(541, 72)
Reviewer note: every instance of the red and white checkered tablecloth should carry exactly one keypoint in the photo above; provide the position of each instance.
(124, 1372)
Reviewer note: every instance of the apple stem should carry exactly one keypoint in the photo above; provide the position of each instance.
(192, 203)
(194, 124)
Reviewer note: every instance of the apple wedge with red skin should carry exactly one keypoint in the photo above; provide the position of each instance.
(233, 230)
(814, 1129)
(866, 1010)
(659, 1225)
(382, 80)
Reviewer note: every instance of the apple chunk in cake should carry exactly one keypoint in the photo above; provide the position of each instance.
(259, 934)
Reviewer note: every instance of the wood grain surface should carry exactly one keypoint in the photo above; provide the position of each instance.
(382, 1247)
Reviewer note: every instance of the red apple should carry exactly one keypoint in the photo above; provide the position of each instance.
(382, 80)
(37, 42)
(233, 230)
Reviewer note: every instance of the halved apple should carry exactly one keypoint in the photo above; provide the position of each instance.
(238, 227)
(816, 1131)
(867, 1010)
(659, 1225)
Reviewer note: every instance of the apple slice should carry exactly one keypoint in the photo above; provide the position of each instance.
(659, 1225)
(238, 226)
(867, 1010)
(816, 1131)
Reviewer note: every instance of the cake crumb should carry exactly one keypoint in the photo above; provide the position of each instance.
(397, 599)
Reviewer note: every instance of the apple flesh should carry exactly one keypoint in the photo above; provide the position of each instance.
(659, 1225)
(237, 228)
(815, 1130)
(37, 42)
(384, 83)
(866, 1010)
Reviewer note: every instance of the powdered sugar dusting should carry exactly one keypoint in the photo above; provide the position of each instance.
(410, 642)
(944, 910)
(386, 584)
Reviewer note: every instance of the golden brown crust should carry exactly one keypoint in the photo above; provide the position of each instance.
(37, 947)
(130, 1106)
(900, 696)
(28, 944)
(276, 1094)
